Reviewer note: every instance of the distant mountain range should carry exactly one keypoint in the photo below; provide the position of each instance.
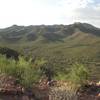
(49, 33)
(80, 38)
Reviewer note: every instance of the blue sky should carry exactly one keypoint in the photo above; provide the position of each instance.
(36, 12)
(97, 1)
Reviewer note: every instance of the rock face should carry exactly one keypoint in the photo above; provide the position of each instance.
(9, 90)
(9, 86)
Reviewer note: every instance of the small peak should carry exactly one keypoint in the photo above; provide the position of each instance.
(14, 25)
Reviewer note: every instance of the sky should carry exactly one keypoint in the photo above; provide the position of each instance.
(48, 12)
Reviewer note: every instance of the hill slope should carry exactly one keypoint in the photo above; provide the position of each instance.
(61, 44)
(77, 37)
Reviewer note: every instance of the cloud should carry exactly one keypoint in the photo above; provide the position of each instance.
(27, 12)
(90, 14)
(74, 4)
(80, 11)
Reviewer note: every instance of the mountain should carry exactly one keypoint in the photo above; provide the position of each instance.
(60, 44)
(48, 33)
(63, 37)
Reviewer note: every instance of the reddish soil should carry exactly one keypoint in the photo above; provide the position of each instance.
(9, 90)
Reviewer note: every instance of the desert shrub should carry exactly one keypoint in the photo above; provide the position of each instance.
(48, 70)
(61, 76)
(69, 83)
(79, 74)
(24, 71)
(52, 71)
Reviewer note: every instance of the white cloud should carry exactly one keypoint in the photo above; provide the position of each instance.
(74, 4)
(27, 12)
(89, 14)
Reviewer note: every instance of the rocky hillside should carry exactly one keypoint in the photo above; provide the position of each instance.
(60, 44)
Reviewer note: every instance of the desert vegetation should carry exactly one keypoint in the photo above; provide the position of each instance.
(61, 58)
(24, 71)
(28, 74)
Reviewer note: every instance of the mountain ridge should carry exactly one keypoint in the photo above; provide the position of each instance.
(53, 33)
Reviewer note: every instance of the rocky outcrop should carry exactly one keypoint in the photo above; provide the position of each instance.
(11, 90)
(90, 91)
(9, 53)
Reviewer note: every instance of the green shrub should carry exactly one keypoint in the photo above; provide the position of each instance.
(78, 74)
(61, 76)
(24, 71)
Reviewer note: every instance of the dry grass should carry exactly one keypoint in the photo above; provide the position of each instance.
(63, 91)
